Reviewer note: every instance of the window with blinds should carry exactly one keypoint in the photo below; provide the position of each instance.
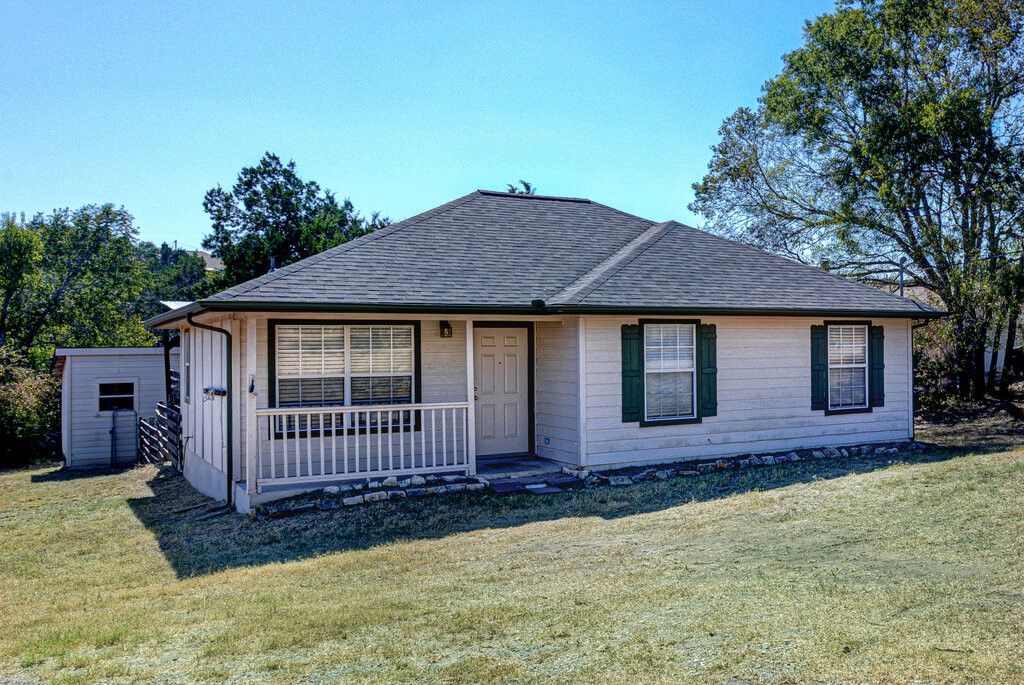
(670, 354)
(343, 365)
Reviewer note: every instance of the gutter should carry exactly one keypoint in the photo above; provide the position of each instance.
(536, 307)
(229, 397)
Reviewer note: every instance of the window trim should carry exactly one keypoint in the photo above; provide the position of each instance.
(105, 380)
(417, 389)
(867, 369)
(696, 418)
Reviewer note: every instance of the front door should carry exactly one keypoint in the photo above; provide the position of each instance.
(501, 390)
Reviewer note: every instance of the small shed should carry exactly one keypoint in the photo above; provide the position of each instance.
(104, 391)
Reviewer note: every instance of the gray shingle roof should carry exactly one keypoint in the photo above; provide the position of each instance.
(494, 250)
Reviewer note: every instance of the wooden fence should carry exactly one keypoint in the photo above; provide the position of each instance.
(160, 436)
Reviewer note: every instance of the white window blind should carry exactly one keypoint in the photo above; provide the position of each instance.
(312, 371)
(670, 356)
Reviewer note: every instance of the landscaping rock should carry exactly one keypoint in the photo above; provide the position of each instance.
(831, 453)
(437, 490)
(705, 468)
(844, 453)
(755, 460)
(582, 474)
(416, 492)
(721, 465)
(619, 481)
(351, 501)
(456, 487)
(476, 486)
(373, 484)
(744, 463)
(591, 481)
(664, 474)
(332, 490)
(793, 456)
(357, 486)
(483, 481)
(396, 494)
(328, 504)
(390, 482)
(768, 460)
(417, 480)
(647, 474)
(405, 483)
(817, 455)
(451, 479)
(689, 474)
(375, 496)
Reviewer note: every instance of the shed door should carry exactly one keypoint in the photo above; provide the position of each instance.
(501, 391)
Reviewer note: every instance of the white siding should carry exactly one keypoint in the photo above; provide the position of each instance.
(763, 396)
(556, 386)
(86, 440)
(204, 418)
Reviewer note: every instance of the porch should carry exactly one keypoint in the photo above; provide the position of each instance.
(487, 397)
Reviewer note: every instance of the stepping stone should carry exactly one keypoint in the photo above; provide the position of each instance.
(561, 480)
(545, 490)
(533, 480)
(506, 487)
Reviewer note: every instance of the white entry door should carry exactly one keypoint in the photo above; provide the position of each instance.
(501, 392)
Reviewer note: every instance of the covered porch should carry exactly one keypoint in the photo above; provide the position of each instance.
(471, 396)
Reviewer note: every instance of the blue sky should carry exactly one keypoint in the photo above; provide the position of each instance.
(399, 106)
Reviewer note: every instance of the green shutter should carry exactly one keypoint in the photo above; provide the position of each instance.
(632, 374)
(708, 370)
(819, 366)
(876, 357)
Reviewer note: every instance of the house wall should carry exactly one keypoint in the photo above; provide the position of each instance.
(764, 402)
(86, 437)
(204, 418)
(556, 387)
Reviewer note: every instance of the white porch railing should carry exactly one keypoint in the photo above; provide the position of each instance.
(314, 444)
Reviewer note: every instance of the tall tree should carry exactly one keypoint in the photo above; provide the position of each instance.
(896, 130)
(79, 286)
(271, 213)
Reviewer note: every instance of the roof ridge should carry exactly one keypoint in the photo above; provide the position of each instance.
(607, 267)
(525, 196)
(272, 276)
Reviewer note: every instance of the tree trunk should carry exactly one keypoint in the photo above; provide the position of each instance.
(1011, 340)
(993, 363)
(979, 367)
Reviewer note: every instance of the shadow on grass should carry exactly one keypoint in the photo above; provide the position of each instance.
(195, 543)
(64, 474)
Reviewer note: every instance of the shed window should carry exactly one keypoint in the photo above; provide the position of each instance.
(847, 366)
(670, 355)
(117, 396)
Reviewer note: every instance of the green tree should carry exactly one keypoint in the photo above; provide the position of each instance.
(271, 213)
(78, 282)
(176, 274)
(895, 131)
(20, 253)
(523, 188)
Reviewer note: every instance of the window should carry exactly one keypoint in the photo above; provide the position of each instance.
(187, 357)
(344, 365)
(847, 366)
(670, 356)
(117, 396)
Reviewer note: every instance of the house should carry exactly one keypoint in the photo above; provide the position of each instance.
(103, 392)
(502, 324)
(213, 264)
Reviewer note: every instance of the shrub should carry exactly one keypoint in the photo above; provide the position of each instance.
(29, 411)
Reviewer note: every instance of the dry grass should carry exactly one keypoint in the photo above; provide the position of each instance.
(864, 572)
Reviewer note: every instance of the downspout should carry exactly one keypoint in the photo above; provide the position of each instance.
(228, 398)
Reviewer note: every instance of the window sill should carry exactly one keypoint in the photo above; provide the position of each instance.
(852, 410)
(644, 423)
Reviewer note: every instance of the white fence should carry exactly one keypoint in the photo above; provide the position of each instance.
(313, 444)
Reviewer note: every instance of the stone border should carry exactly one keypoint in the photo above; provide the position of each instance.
(391, 488)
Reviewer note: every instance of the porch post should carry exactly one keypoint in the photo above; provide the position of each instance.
(470, 398)
(251, 437)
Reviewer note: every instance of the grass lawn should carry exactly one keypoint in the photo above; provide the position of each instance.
(865, 571)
